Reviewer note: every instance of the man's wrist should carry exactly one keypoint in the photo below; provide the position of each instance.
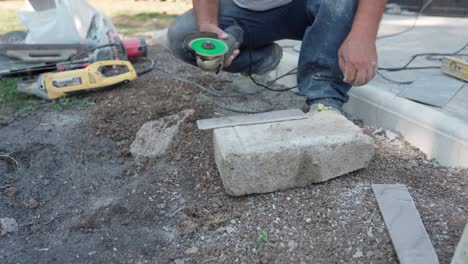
(208, 27)
(363, 34)
(367, 19)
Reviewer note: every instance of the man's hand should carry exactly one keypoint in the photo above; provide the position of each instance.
(207, 12)
(357, 55)
(222, 35)
(357, 58)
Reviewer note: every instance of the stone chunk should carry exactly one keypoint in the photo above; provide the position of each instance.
(153, 138)
(7, 226)
(269, 157)
(10, 192)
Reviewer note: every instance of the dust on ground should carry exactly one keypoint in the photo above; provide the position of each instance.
(98, 204)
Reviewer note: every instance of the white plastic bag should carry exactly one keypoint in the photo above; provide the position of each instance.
(67, 23)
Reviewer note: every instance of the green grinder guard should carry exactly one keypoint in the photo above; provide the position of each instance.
(209, 47)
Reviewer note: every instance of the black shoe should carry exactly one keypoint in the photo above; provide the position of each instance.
(269, 63)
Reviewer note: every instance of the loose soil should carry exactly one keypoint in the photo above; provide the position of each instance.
(98, 204)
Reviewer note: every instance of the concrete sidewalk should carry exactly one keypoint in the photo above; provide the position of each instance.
(441, 133)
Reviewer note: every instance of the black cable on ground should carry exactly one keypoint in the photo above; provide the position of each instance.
(431, 54)
(73, 58)
(223, 94)
(147, 69)
(414, 23)
(250, 47)
(201, 87)
(213, 92)
(235, 110)
(393, 81)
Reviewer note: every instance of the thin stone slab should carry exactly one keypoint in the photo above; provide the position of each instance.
(410, 239)
(461, 254)
(243, 120)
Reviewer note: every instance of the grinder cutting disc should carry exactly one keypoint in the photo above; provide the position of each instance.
(209, 51)
(208, 47)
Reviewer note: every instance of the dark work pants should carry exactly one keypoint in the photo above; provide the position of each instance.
(321, 25)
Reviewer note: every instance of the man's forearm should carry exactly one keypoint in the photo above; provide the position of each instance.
(207, 12)
(368, 16)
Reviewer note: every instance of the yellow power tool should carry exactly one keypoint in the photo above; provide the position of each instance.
(455, 67)
(96, 76)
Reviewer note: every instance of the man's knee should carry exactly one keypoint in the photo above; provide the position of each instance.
(340, 9)
(178, 30)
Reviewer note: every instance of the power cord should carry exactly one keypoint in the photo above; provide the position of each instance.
(211, 91)
(250, 47)
(428, 55)
(74, 57)
(235, 110)
(412, 26)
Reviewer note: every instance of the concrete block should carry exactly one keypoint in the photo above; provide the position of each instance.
(265, 158)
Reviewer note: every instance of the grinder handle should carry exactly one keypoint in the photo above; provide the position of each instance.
(234, 40)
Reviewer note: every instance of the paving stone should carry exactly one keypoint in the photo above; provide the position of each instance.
(265, 158)
(461, 254)
(155, 137)
(409, 237)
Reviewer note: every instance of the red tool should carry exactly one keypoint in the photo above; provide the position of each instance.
(135, 47)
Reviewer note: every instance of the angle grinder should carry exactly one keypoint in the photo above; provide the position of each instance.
(211, 52)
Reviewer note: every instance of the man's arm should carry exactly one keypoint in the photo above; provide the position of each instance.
(358, 53)
(207, 13)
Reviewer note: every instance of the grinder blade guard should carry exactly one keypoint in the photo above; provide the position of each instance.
(211, 52)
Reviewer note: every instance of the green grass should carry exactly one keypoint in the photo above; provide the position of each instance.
(9, 21)
(129, 25)
(145, 16)
(72, 102)
(435, 162)
(11, 99)
(141, 24)
(260, 240)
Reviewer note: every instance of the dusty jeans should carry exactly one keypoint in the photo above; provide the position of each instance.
(322, 25)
